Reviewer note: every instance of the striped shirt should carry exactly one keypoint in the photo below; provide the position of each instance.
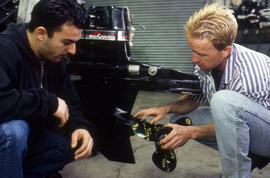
(246, 72)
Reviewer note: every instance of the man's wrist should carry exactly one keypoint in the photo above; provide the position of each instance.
(203, 131)
(193, 132)
(168, 108)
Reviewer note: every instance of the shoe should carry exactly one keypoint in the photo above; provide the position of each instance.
(54, 175)
(258, 161)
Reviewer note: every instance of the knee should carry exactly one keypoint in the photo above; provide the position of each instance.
(223, 101)
(225, 106)
(16, 133)
(218, 97)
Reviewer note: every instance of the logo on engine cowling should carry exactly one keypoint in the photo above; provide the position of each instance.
(100, 36)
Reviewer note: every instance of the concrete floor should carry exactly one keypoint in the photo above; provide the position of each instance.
(194, 160)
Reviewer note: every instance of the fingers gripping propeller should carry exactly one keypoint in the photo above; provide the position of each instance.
(164, 159)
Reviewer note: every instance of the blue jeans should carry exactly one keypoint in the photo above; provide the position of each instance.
(26, 154)
(242, 125)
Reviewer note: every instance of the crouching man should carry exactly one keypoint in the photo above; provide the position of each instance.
(41, 126)
(235, 82)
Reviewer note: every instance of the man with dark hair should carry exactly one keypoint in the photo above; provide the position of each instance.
(41, 126)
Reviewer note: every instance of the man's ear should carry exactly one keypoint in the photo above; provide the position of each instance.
(226, 51)
(41, 33)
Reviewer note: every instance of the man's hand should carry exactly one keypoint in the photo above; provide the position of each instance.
(158, 113)
(177, 137)
(181, 134)
(62, 112)
(85, 149)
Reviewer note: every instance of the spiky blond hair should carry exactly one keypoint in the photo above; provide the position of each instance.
(215, 23)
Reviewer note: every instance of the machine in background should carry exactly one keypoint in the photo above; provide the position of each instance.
(8, 12)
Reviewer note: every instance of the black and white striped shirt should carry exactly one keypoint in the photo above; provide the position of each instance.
(246, 72)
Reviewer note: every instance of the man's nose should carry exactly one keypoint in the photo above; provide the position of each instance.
(195, 59)
(72, 48)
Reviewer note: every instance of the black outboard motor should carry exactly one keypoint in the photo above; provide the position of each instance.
(108, 77)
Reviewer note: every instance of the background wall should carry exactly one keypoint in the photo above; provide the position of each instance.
(25, 9)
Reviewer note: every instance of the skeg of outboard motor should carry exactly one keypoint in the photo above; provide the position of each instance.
(108, 78)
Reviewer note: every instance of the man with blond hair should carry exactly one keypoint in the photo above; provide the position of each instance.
(235, 82)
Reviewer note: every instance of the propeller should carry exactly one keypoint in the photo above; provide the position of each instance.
(164, 159)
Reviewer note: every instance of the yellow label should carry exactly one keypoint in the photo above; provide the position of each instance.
(163, 163)
(172, 155)
(188, 121)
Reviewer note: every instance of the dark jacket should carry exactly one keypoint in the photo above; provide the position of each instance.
(21, 94)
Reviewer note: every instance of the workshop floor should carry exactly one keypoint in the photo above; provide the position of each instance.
(194, 160)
